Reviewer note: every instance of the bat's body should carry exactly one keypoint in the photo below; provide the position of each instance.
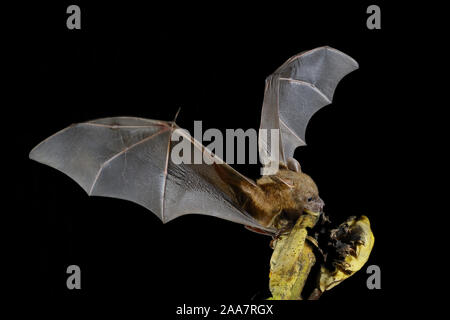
(278, 200)
(129, 158)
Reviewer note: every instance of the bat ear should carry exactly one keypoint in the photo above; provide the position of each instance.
(294, 165)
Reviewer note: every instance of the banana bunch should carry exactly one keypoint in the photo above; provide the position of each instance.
(294, 256)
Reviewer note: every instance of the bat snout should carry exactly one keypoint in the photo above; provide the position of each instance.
(315, 205)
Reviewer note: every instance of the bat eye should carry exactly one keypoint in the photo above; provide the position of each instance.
(310, 199)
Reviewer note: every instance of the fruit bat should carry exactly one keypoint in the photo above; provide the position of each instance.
(129, 158)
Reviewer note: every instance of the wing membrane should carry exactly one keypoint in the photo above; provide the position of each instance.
(129, 158)
(295, 91)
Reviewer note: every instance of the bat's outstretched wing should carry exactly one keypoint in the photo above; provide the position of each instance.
(130, 158)
(294, 92)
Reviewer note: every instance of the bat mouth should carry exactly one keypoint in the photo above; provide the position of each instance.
(314, 207)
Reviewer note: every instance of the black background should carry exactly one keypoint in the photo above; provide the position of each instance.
(211, 61)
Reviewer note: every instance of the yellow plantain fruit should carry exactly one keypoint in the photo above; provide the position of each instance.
(292, 260)
(354, 242)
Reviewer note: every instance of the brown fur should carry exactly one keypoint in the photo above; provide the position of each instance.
(278, 200)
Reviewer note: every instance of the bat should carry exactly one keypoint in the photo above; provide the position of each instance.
(128, 158)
